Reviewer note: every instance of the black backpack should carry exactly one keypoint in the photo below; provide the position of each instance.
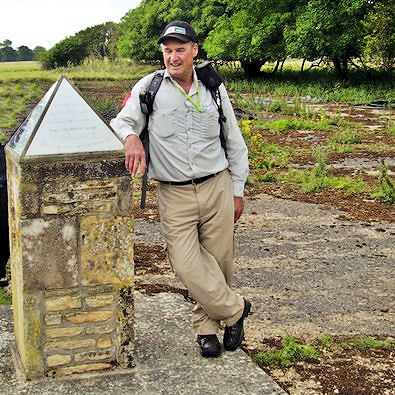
(211, 80)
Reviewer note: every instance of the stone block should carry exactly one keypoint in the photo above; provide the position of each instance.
(99, 300)
(53, 319)
(93, 356)
(106, 250)
(58, 359)
(93, 316)
(104, 342)
(69, 344)
(80, 369)
(100, 329)
(49, 249)
(63, 303)
(63, 332)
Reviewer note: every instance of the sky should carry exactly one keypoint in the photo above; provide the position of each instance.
(46, 22)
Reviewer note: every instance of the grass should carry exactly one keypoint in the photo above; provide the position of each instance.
(293, 350)
(386, 191)
(320, 84)
(346, 137)
(5, 298)
(91, 69)
(354, 342)
(290, 352)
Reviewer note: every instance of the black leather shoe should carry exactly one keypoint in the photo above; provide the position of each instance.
(209, 345)
(234, 334)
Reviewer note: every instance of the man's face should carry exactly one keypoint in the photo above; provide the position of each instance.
(178, 57)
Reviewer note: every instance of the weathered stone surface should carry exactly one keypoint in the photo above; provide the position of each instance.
(49, 257)
(83, 167)
(69, 344)
(93, 356)
(75, 191)
(124, 340)
(104, 342)
(125, 203)
(51, 293)
(28, 326)
(80, 208)
(99, 289)
(94, 316)
(29, 198)
(106, 250)
(99, 300)
(100, 329)
(80, 368)
(63, 332)
(63, 303)
(53, 319)
(58, 359)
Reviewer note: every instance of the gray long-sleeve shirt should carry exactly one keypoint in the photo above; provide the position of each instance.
(184, 143)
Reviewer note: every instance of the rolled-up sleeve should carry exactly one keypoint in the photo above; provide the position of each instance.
(131, 120)
(237, 153)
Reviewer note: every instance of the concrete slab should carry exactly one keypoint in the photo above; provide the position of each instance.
(167, 360)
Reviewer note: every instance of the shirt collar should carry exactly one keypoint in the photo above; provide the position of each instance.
(195, 82)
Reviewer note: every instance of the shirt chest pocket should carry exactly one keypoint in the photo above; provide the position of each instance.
(164, 122)
(207, 123)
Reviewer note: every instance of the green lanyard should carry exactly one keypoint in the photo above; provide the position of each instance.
(197, 104)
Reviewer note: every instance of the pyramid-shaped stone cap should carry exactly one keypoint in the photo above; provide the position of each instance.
(63, 123)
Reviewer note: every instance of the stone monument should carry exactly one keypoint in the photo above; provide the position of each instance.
(71, 239)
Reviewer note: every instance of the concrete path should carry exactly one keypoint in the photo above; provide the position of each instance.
(167, 360)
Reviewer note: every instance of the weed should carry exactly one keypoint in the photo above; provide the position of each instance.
(363, 343)
(326, 341)
(342, 148)
(291, 351)
(386, 193)
(346, 137)
(391, 129)
(5, 298)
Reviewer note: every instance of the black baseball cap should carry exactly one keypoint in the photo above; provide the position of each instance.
(179, 30)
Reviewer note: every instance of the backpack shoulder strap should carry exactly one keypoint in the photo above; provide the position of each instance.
(147, 96)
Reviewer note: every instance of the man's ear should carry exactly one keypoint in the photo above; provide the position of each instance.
(195, 50)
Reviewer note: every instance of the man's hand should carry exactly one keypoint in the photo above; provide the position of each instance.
(134, 155)
(239, 207)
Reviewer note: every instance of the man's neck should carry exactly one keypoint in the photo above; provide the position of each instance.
(185, 83)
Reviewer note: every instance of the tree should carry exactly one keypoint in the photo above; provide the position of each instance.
(329, 29)
(8, 54)
(251, 32)
(24, 53)
(6, 43)
(39, 53)
(379, 43)
(96, 40)
(142, 26)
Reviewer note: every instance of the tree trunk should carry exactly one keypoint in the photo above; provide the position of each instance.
(252, 67)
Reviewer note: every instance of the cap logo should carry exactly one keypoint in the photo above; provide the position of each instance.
(175, 29)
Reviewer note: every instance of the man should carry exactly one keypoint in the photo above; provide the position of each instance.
(200, 193)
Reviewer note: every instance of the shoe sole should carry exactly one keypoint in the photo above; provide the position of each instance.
(210, 355)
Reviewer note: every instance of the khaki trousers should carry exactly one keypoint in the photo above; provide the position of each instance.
(197, 223)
